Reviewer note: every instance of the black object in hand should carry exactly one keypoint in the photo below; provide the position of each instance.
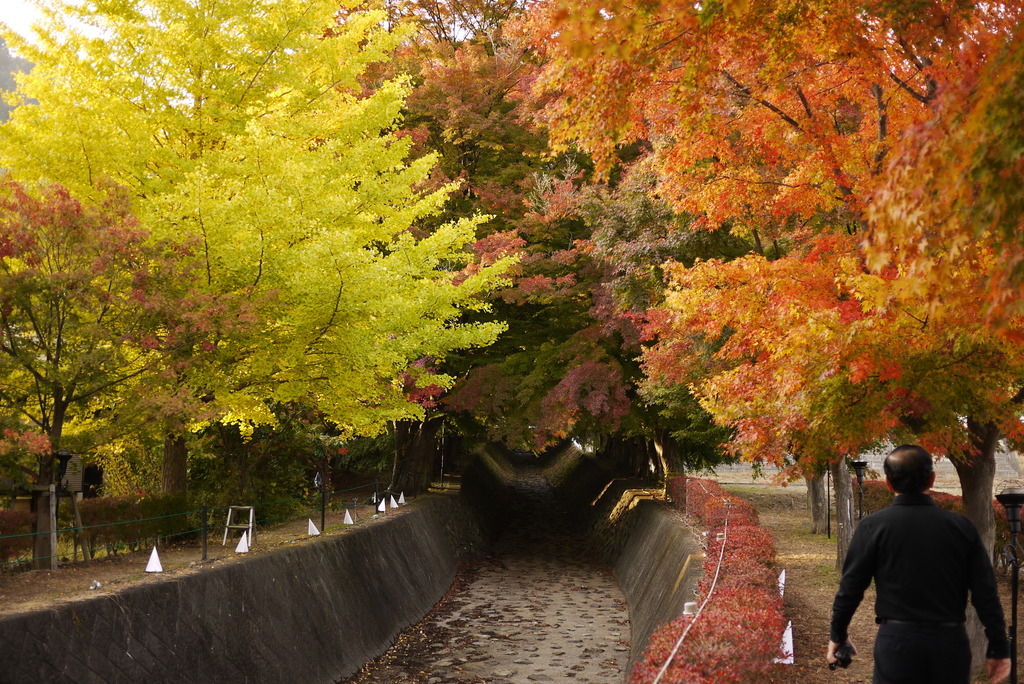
(844, 656)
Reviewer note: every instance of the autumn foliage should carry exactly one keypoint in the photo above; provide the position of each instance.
(15, 533)
(738, 632)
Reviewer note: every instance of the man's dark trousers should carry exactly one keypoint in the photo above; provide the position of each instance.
(922, 654)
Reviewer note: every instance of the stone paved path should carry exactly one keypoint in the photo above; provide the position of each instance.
(542, 608)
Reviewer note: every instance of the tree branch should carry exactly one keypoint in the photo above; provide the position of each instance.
(883, 127)
(924, 99)
(803, 101)
(750, 96)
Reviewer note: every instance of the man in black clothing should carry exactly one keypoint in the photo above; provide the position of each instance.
(924, 561)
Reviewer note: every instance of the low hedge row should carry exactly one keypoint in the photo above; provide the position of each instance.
(15, 523)
(877, 496)
(738, 633)
(116, 523)
(127, 522)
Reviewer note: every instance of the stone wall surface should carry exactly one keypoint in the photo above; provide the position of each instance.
(658, 569)
(310, 613)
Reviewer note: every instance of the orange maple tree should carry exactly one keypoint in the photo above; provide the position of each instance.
(952, 197)
(790, 123)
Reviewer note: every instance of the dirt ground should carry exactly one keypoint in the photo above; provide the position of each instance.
(811, 583)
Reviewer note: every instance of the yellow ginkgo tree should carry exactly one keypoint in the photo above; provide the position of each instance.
(250, 129)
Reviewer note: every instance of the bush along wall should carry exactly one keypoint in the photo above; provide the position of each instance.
(132, 522)
(736, 633)
(15, 534)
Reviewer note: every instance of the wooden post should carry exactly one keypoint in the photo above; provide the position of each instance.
(79, 532)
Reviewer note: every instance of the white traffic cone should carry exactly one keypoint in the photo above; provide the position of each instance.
(313, 532)
(348, 518)
(394, 504)
(154, 562)
(243, 544)
(382, 507)
(401, 499)
(787, 646)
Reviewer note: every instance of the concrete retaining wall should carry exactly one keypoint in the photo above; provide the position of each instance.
(309, 613)
(658, 569)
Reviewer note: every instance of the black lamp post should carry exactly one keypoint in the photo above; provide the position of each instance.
(320, 482)
(1012, 499)
(859, 466)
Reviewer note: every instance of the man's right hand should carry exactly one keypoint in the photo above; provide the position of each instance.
(830, 655)
(997, 669)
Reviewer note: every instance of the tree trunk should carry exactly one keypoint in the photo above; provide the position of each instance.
(844, 509)
(236, 453)
(977, 474)
(817, 503)
(175, 465)
(44, 550)
(415, 453)
(669, 453)
(44, 496)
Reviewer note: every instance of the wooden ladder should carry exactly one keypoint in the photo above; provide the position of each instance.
(249, 526)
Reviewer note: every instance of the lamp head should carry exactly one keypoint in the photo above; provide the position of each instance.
(1012, 499)
(860, 466)
(63, 456)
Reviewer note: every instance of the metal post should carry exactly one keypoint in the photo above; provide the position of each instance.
(1012, 499)
(323, 504)
(205, 516)
(53, 527)
(1014, 579)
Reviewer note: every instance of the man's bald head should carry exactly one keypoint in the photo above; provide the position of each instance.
(909, 469)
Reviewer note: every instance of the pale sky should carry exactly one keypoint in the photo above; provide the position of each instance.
(17, 14)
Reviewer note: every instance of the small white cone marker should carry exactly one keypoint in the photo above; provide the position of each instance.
(787, 646)
(782, 582)
(243, 544)
(383, 506)
(348, 518)
(313, 532)
(401, 499)
(154, 562)
(394, 504)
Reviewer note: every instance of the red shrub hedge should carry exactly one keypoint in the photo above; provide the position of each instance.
(126, 521)
(15, 523)
(739, 632)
